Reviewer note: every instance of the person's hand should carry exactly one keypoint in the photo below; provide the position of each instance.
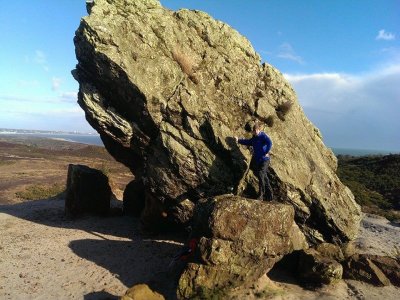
(267, 154)
(236, 139)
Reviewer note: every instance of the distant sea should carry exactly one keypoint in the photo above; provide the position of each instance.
(89, 139)
(77, 138)
(361, 152)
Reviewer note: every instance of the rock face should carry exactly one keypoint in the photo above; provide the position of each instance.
(88, 191)
(330, 251)
(239, 241)
(168, 90)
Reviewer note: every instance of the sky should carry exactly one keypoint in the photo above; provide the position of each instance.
(342, 58)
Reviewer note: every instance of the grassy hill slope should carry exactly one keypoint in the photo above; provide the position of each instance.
(374, 181)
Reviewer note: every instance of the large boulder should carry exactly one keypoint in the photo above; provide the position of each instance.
(167, 91)
(239, 241)
(88, 191)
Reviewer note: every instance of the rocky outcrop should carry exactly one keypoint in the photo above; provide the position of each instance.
(88, 191)
(168, 90)
(239, 241)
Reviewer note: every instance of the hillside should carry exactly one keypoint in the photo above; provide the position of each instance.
(375, 182)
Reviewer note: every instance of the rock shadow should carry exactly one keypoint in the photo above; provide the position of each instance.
(100, 296)
(50, 212)
(140, 258)
(133, 262)
(284, 271)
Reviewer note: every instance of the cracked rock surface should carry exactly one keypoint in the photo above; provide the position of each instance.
(168, 90)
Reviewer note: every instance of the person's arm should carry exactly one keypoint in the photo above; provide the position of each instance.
(247, 142)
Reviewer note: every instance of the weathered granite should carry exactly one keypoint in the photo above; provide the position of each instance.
(239, 241)
(168, 90)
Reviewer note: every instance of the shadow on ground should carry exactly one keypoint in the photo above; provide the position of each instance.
(138, 259)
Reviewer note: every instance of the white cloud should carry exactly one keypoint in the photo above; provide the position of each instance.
(55, 83)
(286, 51)
(64, 97)
(71, 118)
(355, 111)
(69, 96)
(46, 112)
(41, 59)
(265, 52)
(27, 83)
(65, 112)
(387, 36)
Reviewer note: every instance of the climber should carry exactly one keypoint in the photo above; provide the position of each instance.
(261, 144)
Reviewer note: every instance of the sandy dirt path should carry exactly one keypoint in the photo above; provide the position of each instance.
(45, 256)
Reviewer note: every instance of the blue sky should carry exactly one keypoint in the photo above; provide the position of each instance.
(342, 58)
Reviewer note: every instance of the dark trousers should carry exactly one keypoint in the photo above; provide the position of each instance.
(263, 181)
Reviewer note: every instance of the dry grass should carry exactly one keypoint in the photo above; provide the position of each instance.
(269, 121)
(105, 169)
(283, 109)
(37, 192)
(6, 162)
(186, 63)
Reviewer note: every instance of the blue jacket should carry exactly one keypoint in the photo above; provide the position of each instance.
(261, 144)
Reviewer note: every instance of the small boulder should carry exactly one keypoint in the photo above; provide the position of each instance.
(314, 269)
(389, 266)
(88, 191)
(349, 249)
(133, 199)
(361, 267)
(141, 292)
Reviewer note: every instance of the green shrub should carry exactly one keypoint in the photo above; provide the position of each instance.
(37, 192)
(374, 181)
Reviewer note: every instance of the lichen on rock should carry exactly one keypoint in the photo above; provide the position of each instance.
(239, 241)
(168, 90)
